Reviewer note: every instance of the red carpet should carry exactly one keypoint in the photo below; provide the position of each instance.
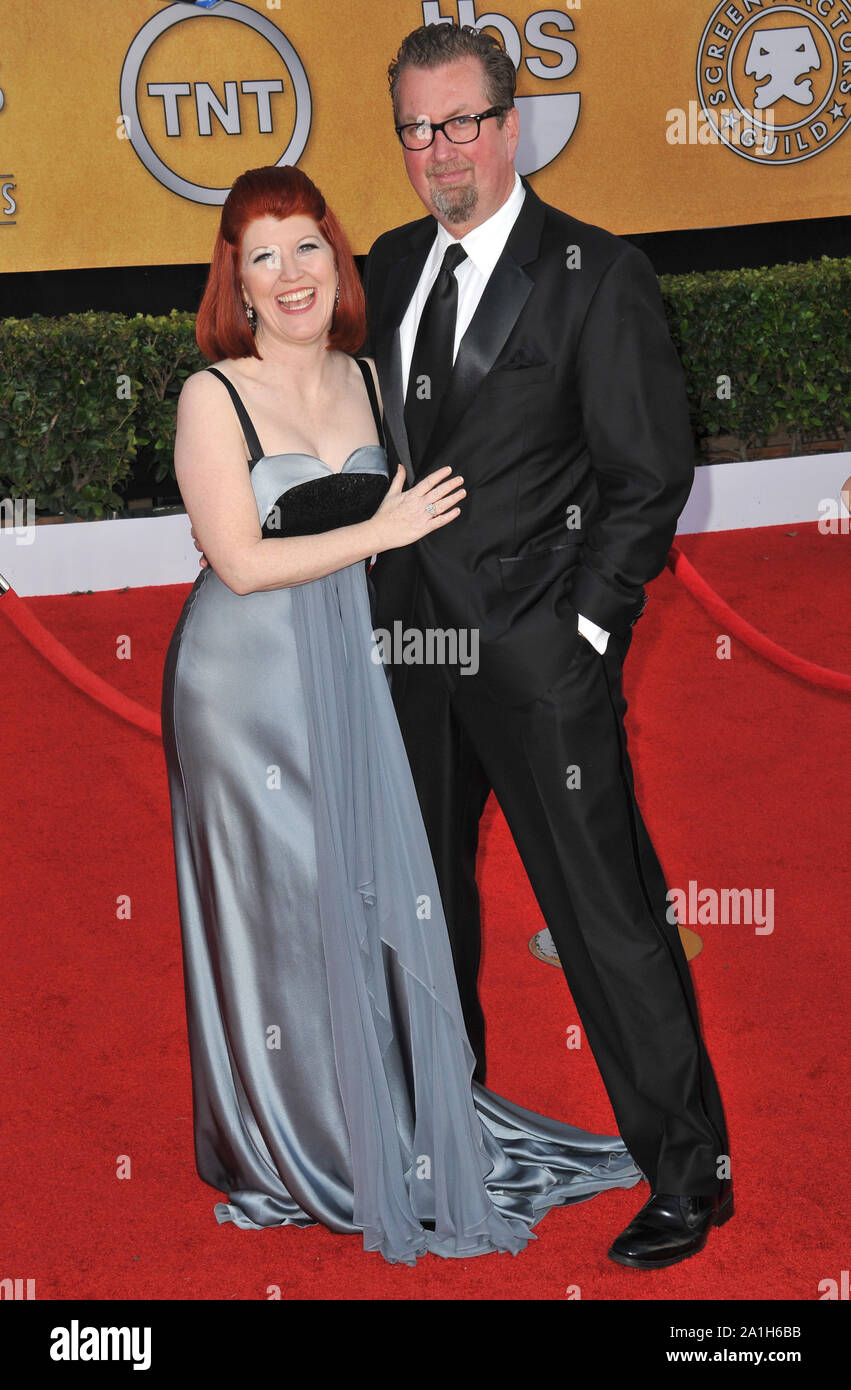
(743, 775)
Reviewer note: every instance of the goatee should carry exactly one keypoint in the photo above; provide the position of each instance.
(455, 204)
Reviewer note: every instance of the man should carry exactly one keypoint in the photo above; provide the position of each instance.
(536, 362)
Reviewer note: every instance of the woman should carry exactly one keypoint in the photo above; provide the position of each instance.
(331, 1071)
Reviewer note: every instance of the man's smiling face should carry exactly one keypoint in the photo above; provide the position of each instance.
(462, 185)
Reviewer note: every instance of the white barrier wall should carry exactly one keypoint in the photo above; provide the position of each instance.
(58, 559)
(764, 492)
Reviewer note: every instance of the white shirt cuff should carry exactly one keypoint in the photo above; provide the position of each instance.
(597, 636)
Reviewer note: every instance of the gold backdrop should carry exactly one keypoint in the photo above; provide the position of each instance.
(120, 119)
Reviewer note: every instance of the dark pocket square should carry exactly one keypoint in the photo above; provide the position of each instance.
(520, 359)
(519, 374)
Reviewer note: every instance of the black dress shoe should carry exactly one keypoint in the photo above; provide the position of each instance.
(669, 1229)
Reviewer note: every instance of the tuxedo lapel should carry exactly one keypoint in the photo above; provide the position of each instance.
(401, 282)
(496, 314)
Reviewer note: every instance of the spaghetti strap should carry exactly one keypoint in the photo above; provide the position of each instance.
(373, 399)
(255, 448)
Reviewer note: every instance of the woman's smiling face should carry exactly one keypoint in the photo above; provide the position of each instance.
(288, 275)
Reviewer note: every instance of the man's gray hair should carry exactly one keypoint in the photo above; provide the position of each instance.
(432, 45)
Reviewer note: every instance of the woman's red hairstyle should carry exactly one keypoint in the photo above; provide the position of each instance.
(222, 329)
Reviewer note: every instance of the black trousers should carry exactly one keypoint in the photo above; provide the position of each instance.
(597, 880)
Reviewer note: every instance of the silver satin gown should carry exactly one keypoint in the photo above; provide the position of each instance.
(331, 1073)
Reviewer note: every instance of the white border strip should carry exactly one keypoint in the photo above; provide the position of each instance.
(135, 551)
(141, 551)
(763, 492)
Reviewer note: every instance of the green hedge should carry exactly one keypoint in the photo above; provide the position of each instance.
(68, 436)
(783, 337)
(69, 440)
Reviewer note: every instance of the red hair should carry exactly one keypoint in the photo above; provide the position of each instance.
(222, 329)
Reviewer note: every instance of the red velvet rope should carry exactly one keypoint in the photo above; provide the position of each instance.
(73, 669)
(736, 626)
(105, 694)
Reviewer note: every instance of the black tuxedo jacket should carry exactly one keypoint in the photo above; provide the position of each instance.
(566, 414)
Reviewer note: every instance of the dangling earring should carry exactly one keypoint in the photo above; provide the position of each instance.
(251, 315)
(337, 295)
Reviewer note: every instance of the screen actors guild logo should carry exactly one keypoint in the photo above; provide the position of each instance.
(774, 80)
(176, 99)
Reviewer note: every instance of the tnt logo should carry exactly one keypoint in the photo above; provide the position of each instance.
(547, 120)
(208, 91)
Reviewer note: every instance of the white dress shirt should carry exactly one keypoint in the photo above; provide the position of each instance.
(484, 246)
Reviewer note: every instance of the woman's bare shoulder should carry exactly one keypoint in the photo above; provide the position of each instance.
(203, 391)
(205, 410)
(203, 380)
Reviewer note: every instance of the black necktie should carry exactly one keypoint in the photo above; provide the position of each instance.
(431, 364)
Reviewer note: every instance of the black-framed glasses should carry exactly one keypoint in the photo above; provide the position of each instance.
(460, 130)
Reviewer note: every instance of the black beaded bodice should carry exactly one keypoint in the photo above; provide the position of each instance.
(326, 502)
